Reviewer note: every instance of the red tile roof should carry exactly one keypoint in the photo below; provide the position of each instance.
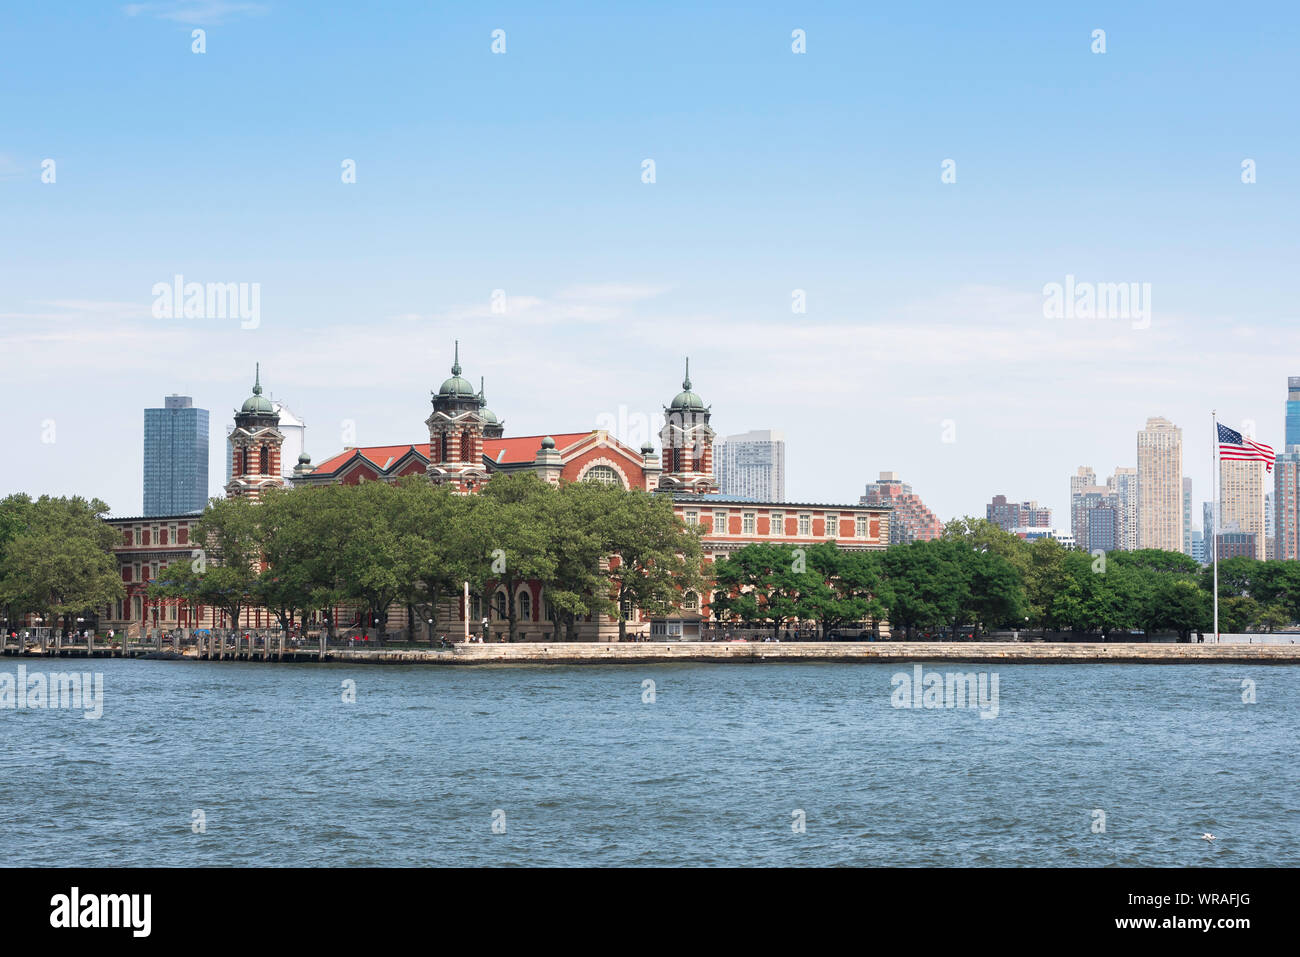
(524, 448)
(517, 449)
(381, 456)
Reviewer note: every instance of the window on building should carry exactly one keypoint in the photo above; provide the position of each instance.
(778, 523)
(501, 605)
(805, 524)
(862, 526)
(691, 600)
(265, 462)
(692, 518)
(719, 523)
(748, 523)
(603, 475)
(525, 606)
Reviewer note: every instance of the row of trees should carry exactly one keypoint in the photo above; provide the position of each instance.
(979, 575)
(55, 559)
(594, 548)
(944, 583)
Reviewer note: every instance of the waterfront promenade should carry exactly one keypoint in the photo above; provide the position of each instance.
(654, 652)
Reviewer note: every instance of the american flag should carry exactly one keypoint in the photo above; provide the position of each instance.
(1233, 447)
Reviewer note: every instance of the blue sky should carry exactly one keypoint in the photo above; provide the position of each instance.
(774, 172)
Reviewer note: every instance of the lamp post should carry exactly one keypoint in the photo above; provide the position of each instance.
(430, 621)
(44, 639)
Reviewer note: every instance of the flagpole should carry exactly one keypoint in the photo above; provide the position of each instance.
(1214, 512)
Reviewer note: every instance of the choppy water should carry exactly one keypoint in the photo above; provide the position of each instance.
(286, 773)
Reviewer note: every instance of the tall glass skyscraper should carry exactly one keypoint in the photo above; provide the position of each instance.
(175, 457)
(1292, 412)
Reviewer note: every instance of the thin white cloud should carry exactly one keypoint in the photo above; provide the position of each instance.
(197, 12)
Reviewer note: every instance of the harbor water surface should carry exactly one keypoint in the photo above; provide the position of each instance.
(717, 764)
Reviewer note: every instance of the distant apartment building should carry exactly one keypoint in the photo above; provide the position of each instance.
(1011, 515)
(911, 520)
(1198, 545)
(1286, 503)
(1285, 511)
(175, 458)
(1124, 484)
(1270, 535)
(1101, 517)
(1082, 480)
(1187, 515)
(1160, 485)
(1097, 519)
(1236, 544)
(1241, 500)
(752, 465)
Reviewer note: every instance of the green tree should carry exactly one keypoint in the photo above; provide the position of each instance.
(654, 559)
(55, 556)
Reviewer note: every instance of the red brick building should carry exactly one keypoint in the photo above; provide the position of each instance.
(466, 446)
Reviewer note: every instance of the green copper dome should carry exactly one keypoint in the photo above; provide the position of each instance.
(258, 403)
(686, 399)
(456, 386)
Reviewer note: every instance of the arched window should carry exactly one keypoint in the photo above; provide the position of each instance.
(602, 474)
(691, 600)
(501, 604)
(476, 607)
(266, 462)
(525, 606)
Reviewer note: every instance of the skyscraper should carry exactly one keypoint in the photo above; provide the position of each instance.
(1124, 483)
(1082, 480)
(1286, 481)
(1160, 485)
(1292, 412)
(752, 465)
(175, 457)
(1241, 500)
(1187, 515)
(1286, 506)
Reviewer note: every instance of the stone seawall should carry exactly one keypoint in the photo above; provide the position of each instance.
(992, 652)
(651, 652)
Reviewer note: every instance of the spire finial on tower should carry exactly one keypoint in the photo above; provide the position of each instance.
(455, 366)
(686, 383)
(482, 399)
(257, 379)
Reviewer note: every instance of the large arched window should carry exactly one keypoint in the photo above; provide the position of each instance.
(500, 601)
(476, 607)
(525, 606)
(602, 474)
